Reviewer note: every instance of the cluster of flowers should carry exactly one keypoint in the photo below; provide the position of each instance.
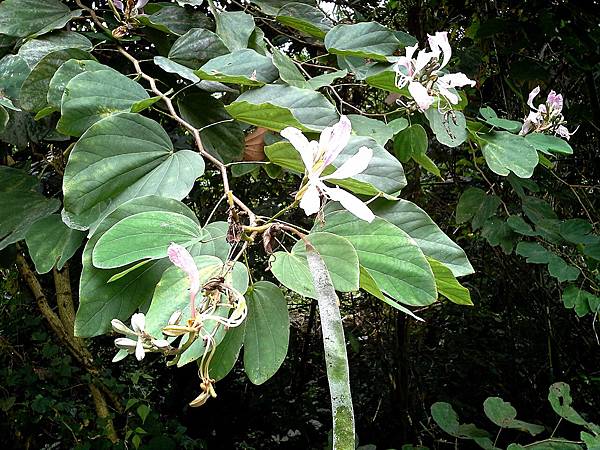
(547, 117)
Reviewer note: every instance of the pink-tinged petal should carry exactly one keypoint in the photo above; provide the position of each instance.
(563, 132)
(300, 143)
(526, 128)
(119, 5)
(138, 322)
(181, 258)
(140, 4)
(350, 203)
(533, 94)
(335, 140)
(535, 117)
(125, 343)
(420, 95)
(439, 43)
(555, 101)
(454, 80)
(139, 350)
(311, 200)
(356, 164)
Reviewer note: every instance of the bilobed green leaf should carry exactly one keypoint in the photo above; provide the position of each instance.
(491, 118)
(505, 152)
(498, 233)
(446, 418)
(21, 205)
(136, 157)
(196, 47)
(447, 285)
(221, 136)
(13, 71)
(175, 20)
(291, 269)
(450, 128)
(145, 235)
(267, 331)
(245, 67)
(86, 100)
(51, 243)
(65, 73)
(390, 256)
(24, 18)
(34, 91)
(429, 237)
(364, 40)
(410, 141)
(578, 299)
(305, 18)
(234, 28)
(577, 231)
(549, 144)
(534, 253)
(100, 301)
(475, 205)
(34, 50)
(504, 415)
(518, 225)
(227, 352)
(560, 399)
(277, 106)
(562, 271)
(380, 131)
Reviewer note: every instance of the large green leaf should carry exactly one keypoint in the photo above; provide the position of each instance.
(291, 269)
(101, 300)
(505, 152)
(305, 18)
(221, 136)
(227, 352)
(234, 28)
(447, 285)
(271, 7)
(245, 67)
(267, 332)
(365, 40)
(122, 157)
(413, 140)
(13, 71)
(389, 255)
(504, 415)
(196, 47)
(450, 128)
(145, 235)
(34, 90)
(34, 50)
(277, 106)
(21, 205)
(86, 100)
(429, 237)
(24, 18)
(549, 144)
(175, 19)
(51, 243)
(65, 73)
(491, 118)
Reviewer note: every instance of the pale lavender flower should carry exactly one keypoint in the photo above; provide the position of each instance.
(546, 117)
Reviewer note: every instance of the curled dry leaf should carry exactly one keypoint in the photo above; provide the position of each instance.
(255, 145)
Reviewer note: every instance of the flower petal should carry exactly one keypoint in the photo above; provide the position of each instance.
(533, 94)
(138, 322)
(300, 143)
(563, 132)
(311, 200)
(139, 350)
(356, 164)
(140, 4)
(420, 95)
(334, 139)
(160, 343)
(439, 43)
(555, 101)
(454, 80)
(350, 202)
(184, 260)
(423, 59)
(119, 5)
(125, 343)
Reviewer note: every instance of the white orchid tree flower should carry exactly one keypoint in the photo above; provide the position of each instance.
(546, 117)
(181, 258)
(423, 74)
(316, 156)
(138, 5)
(142, 343)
